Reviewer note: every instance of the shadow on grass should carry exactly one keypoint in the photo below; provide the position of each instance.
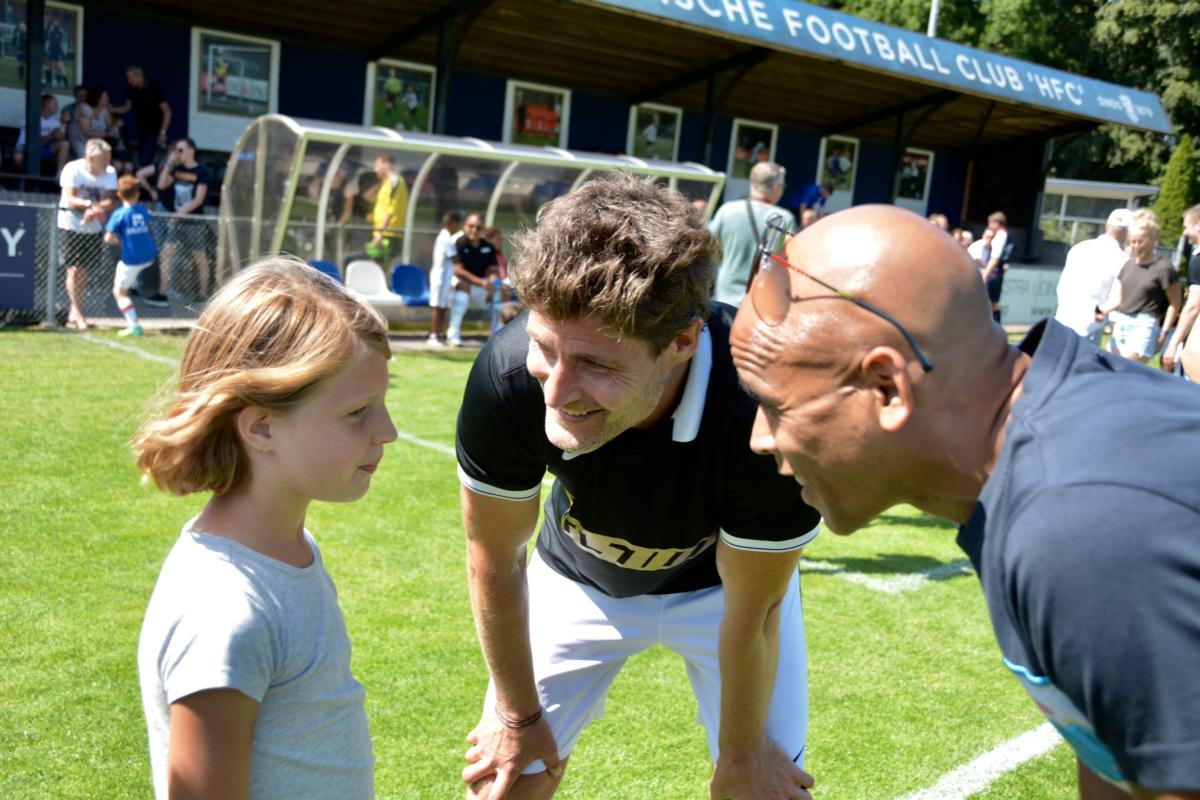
(890, 564)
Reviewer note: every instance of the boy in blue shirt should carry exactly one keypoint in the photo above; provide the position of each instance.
(129, 227)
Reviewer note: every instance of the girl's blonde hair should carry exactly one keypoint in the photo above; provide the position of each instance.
(266, 339)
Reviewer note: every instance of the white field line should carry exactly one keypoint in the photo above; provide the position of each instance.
(895, 585)
(977, 774)
(124, 348)
(170, 362)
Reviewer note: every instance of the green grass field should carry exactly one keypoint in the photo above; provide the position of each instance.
(905, 687)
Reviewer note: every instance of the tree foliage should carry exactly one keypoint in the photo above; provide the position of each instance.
(1177, 191)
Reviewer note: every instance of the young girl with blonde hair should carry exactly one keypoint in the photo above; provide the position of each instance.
(244, 658)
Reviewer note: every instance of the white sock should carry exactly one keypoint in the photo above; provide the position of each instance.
(129, 312)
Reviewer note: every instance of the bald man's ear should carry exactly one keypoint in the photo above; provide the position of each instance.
(885, 372)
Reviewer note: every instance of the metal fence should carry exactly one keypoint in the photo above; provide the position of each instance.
(174, 287)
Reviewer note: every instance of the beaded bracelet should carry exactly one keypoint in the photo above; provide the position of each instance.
(509, 722)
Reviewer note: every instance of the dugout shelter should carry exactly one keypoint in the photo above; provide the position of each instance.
(290, 184)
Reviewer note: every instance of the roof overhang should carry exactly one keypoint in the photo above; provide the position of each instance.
(856, 43)
(795, 64)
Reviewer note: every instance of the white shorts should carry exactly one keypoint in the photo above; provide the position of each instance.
(581, 637)
(476, 295)
(440, 289)
(1135, 333)
(126, 275)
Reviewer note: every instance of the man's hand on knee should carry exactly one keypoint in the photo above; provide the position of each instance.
(764, 773)
(498, 754)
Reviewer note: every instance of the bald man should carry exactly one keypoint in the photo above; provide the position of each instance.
(882, 379)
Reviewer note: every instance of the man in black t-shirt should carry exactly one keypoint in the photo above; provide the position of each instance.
(475, 266)
(662, 527)
(189, 181)
(1067, 468)
(151, 111)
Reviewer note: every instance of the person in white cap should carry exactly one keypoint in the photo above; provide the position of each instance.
(1087, 278)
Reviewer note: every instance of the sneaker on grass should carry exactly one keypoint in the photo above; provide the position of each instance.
(136, 330)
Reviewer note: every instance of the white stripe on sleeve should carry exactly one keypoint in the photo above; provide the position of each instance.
(479, 487)
(761, 545)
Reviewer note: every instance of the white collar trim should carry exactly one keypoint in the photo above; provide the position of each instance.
(689, 412)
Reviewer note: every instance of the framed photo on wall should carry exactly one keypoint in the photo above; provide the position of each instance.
(400, 95)
(536, 114)
(62, 56)
(912, 189)
(839, 160)
(654, 131)
(837, 165)
(234, 78)
(915, 170)
(750, 143)
(61, 51)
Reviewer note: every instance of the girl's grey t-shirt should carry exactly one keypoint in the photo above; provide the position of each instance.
(223, 616)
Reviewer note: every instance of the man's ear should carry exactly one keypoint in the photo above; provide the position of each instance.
(885, 372)
(684, 346)
(254, 428)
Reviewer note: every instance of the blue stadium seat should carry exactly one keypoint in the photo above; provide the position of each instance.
(410, 282)
(328, 267)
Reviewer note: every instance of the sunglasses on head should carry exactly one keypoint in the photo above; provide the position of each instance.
(771, 288)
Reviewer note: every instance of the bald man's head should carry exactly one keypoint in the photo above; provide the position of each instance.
(892, 259)
(838, 385)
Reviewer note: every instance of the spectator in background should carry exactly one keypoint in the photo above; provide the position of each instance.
(940, 221)
(496, 237)
(473, 257)
(1147, 297)
(68, 111)
(812, 196)
(441, 275)
(129, 228)
(979, 250)
(151, 112)
(995, 267)
(1187, 318)
(89, 187)
(109, 124)
(1087, 278)
(388, 215)
(189, 180)
(808, 216)
(83, 125)
(148, 179)
(965, 238)
(53, 141)
(740, 223)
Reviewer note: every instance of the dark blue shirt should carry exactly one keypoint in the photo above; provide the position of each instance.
(809, 197)
(1086, 538)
